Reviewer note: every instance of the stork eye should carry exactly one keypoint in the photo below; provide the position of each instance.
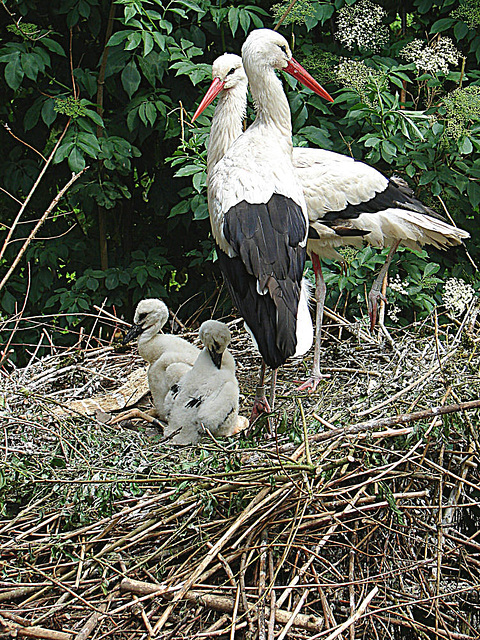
(142, 316)
(232, 70)
(283, 48)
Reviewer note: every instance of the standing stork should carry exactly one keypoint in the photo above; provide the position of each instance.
(348, 202)
(257, 209)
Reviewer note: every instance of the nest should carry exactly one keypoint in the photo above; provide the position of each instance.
(358, 518)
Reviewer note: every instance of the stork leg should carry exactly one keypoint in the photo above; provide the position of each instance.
(148, 416)
(376, 291)
(320, 293)
(260, 403)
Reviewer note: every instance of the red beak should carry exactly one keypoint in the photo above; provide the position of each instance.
(296, 70)
(213, 91)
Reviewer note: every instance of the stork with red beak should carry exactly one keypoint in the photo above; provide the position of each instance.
(348, 202)
(257, 208)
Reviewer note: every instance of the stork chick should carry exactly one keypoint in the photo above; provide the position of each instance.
(160, 351)
(207, 394)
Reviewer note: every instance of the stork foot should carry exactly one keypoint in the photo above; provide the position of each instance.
(311, 383)
(137, 413)
(373, 298)
(260, 405)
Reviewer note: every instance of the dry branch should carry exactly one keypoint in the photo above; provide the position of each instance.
(222, 603)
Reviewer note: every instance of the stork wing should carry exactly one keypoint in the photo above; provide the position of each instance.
(264, 277)
(332, 181)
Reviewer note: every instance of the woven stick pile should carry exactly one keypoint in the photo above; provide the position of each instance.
(358, 518)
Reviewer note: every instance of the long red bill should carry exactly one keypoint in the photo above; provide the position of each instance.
(296, 70)
(213, 91)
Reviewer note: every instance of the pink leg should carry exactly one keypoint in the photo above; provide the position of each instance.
(320, 293)
(260, 403)
(376, 291)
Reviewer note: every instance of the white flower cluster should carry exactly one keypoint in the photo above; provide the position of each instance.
(361, 24)
(434, 57)
(457, 295)
(355, 75)
(393, 312)
(397, 285)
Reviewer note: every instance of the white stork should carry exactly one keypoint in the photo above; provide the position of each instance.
(258, 211)
(205, 395)
(348, 202)
(160, 350)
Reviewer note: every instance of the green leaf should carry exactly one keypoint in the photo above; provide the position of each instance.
(244, 21)
(14, 73)
(442, 25)
(189, 170)
(191, 5)
(151, 113)
(473, 191)
(30, 65)
(63, 151)
(233, 19)
(131, 78)
(465, 146)
(8, 302)
(32, 115)
(93, 115)
(148, 43)
(76, 161)
(460, 30)
(142, 276)
(133, 41)
(372, 142)
(201, 212)
(199, 181)
(53, 46)
(316, 135)
(431, 267)
(160, 40)
(49, 114)
(111, 281)
(118, 37)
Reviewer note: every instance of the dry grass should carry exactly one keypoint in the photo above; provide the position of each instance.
(354, 532)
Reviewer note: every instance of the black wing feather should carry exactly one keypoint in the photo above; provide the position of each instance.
(266, 238)
(397, 195)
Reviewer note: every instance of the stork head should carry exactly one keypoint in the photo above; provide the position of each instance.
(150, 316)
(227, 74)
(229, 70)
(215, 337)
(265, 49)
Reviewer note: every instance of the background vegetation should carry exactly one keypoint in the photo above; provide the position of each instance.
(120, 81)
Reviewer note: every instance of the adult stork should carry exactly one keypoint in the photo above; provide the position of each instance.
(258, 211)
(348, 202)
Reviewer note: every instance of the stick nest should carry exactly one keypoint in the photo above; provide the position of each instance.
(353, 532)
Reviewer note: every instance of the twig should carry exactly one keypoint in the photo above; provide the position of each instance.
(352, 619)
(34, 231)
(295, 613)
(447, 213)
(32, 190)
(32, 632)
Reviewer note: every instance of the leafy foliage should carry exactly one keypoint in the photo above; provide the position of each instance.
(126, 76)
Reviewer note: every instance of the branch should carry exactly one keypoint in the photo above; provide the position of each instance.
(401, 419)
(221, 603)
(32, 190)
(287, 11)
(34, 231)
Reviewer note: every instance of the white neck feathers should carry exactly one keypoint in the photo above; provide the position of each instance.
(226, 123)
(271, 104)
